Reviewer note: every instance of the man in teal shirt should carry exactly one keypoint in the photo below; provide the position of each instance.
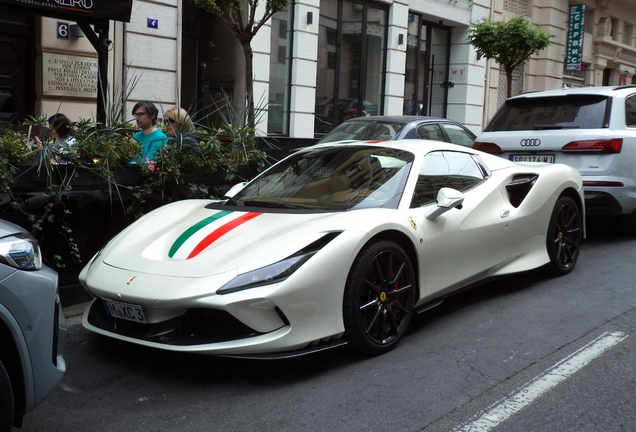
(149, 137)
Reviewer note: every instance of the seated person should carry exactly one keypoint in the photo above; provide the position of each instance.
(179, 127)
(61, 130)
(150, 138)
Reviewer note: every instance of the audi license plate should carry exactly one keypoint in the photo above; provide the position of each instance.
(533, 158)
(125, 311)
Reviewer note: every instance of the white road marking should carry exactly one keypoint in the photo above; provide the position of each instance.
(505, 408)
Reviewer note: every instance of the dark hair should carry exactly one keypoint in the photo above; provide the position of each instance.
(61, 124)
(150, 108)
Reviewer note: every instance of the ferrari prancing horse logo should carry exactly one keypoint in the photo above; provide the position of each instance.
(130, 280)
(413, 224)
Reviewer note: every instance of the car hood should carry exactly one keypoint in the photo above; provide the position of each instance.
(8, 228)
(190, 239)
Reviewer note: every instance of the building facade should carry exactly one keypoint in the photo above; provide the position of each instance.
(315, 65)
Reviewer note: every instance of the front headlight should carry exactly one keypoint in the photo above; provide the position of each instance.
(21, 251)
(278, 271)
(267, 275)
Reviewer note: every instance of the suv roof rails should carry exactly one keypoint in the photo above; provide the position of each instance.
(627, 86)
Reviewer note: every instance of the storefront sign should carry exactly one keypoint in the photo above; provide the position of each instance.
(66, 75)
(576, 29)
(77, 10)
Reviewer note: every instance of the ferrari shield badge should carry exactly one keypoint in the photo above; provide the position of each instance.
(413, 224)
(130, 280)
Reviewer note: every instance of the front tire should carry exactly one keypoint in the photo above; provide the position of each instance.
(379, 298)
(565, 235)
(6, 401)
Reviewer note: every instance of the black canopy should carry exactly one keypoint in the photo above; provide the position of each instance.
(91, 11)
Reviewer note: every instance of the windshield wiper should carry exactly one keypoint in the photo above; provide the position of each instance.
(548, 127)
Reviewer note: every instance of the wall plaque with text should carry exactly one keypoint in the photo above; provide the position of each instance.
(66, 75)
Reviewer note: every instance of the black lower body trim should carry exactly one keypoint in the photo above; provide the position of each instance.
(195, 327)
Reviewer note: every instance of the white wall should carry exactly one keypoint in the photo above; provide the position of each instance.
(153, 55)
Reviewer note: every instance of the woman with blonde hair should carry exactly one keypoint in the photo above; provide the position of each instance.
(179, 126)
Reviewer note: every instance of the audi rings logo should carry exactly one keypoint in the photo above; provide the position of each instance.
(530, 142)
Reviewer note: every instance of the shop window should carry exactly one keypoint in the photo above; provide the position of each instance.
(351, 56)
(575, 78)
(628, 34)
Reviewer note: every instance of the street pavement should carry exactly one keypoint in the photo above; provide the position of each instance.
(527, 353)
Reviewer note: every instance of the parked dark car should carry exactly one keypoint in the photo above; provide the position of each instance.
(401, 127)
(32, 327)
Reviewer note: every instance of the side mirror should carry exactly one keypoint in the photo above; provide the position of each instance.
(235, 189)
(447, 198)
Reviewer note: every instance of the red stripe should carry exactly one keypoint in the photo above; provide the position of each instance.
(216, 234)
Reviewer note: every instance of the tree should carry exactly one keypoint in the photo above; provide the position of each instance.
(240, 15)
(508, 43)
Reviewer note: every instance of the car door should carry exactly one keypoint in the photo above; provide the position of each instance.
(431, 131)
(463, 244)
(458, 135)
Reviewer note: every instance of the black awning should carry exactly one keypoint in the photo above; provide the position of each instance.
(90, 11)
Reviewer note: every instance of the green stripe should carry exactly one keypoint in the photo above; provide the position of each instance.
(193, 229)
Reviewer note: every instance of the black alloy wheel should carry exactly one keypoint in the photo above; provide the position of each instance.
(565, 235)
(379, 298)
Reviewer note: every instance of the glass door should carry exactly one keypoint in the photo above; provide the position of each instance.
(427, 68)
(415, 66)
(438, 84)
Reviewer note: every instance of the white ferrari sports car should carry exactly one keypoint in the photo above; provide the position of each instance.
(335, 244)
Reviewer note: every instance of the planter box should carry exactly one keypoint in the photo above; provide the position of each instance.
(29, 180)
(86, 178)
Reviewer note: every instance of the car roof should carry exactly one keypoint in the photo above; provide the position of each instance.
(422, 146)
(398, 119)
(605, 90)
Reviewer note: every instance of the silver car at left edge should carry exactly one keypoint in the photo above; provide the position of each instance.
(32, 327)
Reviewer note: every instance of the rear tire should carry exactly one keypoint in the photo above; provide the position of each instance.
(379, 298)
(565, 235)
(6, 401)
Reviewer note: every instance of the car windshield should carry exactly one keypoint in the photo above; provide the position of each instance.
(558, 112)
(364, 130)
(334, 178)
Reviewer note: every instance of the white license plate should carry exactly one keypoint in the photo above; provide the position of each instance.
(533, 158)
(125, 311)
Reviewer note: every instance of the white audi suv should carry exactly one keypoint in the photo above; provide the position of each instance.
(592, 129)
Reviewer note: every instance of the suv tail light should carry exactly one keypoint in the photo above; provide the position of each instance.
(486, 147)
(594, 146)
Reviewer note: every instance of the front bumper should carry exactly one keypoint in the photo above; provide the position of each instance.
(197, 326)
(185, 314)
